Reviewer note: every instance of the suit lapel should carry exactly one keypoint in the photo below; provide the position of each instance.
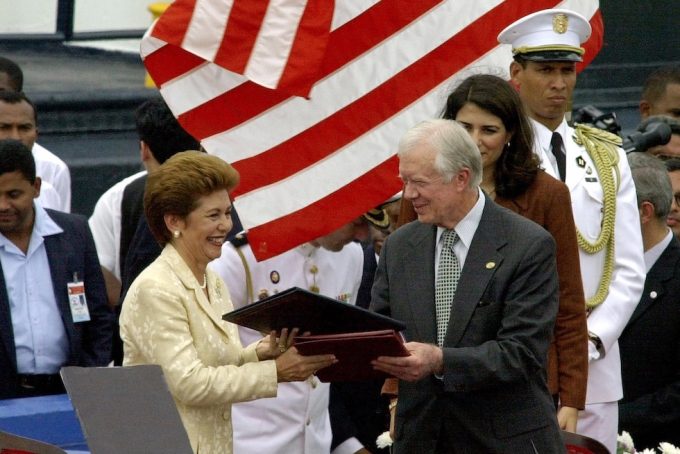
(6, 329)
(480, 265)
(657, 278)
(187, 278)
(58, 261)
(420, 262)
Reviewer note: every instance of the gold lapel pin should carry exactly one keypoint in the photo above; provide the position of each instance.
(490, 265)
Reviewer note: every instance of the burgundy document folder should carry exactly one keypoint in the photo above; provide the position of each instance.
(353, 334)
(354, 352)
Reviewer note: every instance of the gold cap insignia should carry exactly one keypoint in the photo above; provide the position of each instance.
(560, 23)
(490, 265)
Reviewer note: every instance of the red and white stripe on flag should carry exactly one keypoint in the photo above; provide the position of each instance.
(308, 99)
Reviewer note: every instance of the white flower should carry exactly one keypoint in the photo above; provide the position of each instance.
(667, 448)
(625, 441)
(384, 440)
(647, 451)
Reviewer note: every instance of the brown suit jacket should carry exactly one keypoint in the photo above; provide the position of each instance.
(547, 203)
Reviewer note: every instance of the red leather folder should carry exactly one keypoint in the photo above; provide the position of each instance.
(355, 335)
(354, 352)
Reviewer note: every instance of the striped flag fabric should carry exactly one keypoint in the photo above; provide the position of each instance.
(308, 99)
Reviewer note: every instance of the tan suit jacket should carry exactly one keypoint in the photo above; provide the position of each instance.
(547, 203)
(167, 320)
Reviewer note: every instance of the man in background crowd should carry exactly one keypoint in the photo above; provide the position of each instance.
(49, 167)
(53, 310)
(650, 344)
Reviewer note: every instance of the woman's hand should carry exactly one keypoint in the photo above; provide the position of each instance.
(292, 366)
(273, 346)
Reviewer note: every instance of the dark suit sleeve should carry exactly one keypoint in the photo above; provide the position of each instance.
(96, 340)
(660, 408)
(507, 337)
(380, 301)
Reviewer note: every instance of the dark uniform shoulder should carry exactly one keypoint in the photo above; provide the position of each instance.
(239, 240)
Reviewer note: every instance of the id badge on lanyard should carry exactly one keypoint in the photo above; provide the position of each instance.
(77, 300)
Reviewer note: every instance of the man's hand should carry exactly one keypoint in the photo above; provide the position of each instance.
(567, 418)
(425, 360)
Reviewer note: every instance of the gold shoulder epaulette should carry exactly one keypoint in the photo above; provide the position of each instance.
(594, 133)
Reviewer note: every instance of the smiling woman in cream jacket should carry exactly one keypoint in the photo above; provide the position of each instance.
(172, 314)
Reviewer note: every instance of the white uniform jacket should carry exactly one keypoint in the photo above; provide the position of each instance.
(297, 420)
(609, 319)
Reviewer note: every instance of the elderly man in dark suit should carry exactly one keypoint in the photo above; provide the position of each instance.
(650, 343)
(53, 309)
(477, 288)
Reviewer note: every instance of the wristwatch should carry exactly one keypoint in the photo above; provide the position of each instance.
(597, 342)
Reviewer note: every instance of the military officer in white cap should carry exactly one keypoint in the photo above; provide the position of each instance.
(546, 46)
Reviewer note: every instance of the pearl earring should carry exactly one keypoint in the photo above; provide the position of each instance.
(176, 234)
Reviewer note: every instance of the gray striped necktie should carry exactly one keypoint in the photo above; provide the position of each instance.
(447, 280)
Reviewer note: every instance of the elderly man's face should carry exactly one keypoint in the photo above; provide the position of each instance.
(673, 219)
(435, 201)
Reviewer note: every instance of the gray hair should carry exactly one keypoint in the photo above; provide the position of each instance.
(453, 146)
(652, 183)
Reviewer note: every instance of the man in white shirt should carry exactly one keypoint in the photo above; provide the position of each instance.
(546, 47)
(116, 214)
(52, 299)
(49, 167)
(18, 121)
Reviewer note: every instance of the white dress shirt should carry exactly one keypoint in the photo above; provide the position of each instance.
(39, 333)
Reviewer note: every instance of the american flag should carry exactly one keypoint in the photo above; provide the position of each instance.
(308, 99)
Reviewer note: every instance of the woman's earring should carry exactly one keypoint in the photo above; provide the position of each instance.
(508, 144)
(176, 234)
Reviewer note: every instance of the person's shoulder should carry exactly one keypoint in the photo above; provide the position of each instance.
(516, 226)
(45, 156)
(413, 231)
(65, 220)
(546, 183)
(118, 188)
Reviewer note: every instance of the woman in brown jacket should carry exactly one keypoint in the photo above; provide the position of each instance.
(491, 111)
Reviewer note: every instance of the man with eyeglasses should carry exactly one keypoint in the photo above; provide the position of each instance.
(673, 219)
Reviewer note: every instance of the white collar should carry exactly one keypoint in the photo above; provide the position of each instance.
(467, 226)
